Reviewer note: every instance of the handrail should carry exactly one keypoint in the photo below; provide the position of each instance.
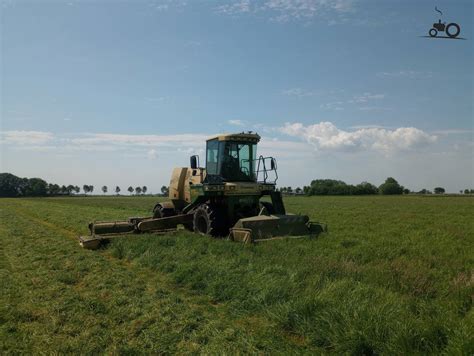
(261, 161)
(261, 167)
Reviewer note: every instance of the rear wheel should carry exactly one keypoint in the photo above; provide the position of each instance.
(209, 220)
(160, 212)
(452, 30)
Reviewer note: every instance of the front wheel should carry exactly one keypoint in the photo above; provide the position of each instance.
(454, 27)
(433, 32)
(208, 220)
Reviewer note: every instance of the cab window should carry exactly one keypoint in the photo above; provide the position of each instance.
(212, 151)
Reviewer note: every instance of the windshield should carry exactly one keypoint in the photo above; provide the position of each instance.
(233, 161)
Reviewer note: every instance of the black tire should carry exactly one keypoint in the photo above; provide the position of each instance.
(160, 212)
(433, 32)
(453, 35)
(268, 206)
(209, 220)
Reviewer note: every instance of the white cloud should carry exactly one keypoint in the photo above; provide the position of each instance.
(325, 136)
(453, 132)
(295, 145)
(335, 105)
(236, 7)
(286, 10)
(236, 122)
(188, 140)
(25, 137)
(373, 108)
(364, 98)
(338, 103)
(140, 145)
(370, 126)
(406, 73)
(299, 92)
(358, 99)
(165, 5)
(299, 9)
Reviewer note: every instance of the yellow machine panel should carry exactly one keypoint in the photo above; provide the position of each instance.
(177, 182)
(181, 181)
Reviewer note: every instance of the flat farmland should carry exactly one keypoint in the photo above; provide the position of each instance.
(394, 275)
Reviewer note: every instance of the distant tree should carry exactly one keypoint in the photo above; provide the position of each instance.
(460, 192)
(10, 185)
(364, 188)
(53, 189)
(425, 191)
(331, 187)
(471, 191)
(298, 190)
(144, 189)
(13, 186)
(104, 189)
(289, 190)
(36, 187)
(138, 190)
(85, 188)
(406, 191)
(307, 190)
(117, 190)
(164, 190)
(390, 187)
(77, 189)
(70, 189)
(466, 191)
(91, 188)
(130, 189)
(439, 190)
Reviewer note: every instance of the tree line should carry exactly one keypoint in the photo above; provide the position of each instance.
(338, 187)
(13, 186)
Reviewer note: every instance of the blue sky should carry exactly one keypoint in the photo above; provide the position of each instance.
(117, 93)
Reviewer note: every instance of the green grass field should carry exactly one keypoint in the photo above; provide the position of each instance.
(394, 275)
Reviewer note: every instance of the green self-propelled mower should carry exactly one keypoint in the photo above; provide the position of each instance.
(224, 199)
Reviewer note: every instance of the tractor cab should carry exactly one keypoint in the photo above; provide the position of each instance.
(233, 158)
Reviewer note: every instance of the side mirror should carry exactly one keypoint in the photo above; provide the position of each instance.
(273, 164)
(194, 161)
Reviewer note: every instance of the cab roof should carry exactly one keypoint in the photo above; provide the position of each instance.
(242, 136)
